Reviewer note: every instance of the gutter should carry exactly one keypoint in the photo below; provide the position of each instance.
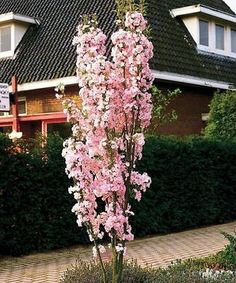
(190, 80)
(163, 76)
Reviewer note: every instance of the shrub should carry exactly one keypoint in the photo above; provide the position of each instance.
(193, 184)
(222, 121)
(227, 257)
(219, 261)
(34, 203)
(90, 272)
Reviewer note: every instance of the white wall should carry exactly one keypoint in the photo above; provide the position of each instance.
(231, 4)
(19, 33)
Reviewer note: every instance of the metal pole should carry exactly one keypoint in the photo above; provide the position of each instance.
(16, 124)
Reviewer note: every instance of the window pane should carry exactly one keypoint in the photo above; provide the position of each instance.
(204, 33)
(220, 37)
(22, 107)
(4, 113)
(233, 41)
(5, 39)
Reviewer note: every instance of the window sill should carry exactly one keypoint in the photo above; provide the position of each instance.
(216, 51)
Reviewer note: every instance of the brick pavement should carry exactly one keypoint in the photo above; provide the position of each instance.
(156, 251)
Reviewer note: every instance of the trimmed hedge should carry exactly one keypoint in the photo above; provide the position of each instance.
(35, 207)
(193, 184)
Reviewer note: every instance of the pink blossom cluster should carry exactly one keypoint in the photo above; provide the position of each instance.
(135, 21)
(108, 129)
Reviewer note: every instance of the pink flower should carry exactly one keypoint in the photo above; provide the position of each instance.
(108, 129)
(135, 21)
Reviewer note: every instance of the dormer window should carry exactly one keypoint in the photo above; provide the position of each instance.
(233, 41)
(204, 33)
(12, 29)
(220, 37)
(212, 30)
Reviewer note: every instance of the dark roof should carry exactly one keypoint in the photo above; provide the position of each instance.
(46, 52)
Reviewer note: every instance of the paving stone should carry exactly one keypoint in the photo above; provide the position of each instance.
(155, 251)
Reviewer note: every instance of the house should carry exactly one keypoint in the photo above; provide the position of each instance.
(194, 50)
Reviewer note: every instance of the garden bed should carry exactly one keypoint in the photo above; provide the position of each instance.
(190, 271)
(218, 268)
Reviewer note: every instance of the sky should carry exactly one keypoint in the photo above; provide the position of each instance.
(231, 4)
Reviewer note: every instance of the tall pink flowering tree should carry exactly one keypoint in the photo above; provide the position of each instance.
(108, 131)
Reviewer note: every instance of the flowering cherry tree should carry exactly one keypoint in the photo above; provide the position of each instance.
(108, 131)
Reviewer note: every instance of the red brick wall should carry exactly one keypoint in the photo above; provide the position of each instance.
(44, 101)
(189, 106)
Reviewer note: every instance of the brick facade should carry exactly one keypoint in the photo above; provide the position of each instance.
(190, 106)
(44, 101)
(42, 109)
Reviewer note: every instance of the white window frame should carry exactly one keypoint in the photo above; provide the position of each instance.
(199, 36)
(5, 114)
(9, 53)
(230, 41)
(200, 46)
(224, 32)
(212, 38)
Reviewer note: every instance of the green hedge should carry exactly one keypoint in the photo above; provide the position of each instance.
(35, 207)
(193, 184)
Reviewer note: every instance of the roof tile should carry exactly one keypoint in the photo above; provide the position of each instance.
(46, 51)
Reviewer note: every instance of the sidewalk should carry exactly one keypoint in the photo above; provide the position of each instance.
(156, 251)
